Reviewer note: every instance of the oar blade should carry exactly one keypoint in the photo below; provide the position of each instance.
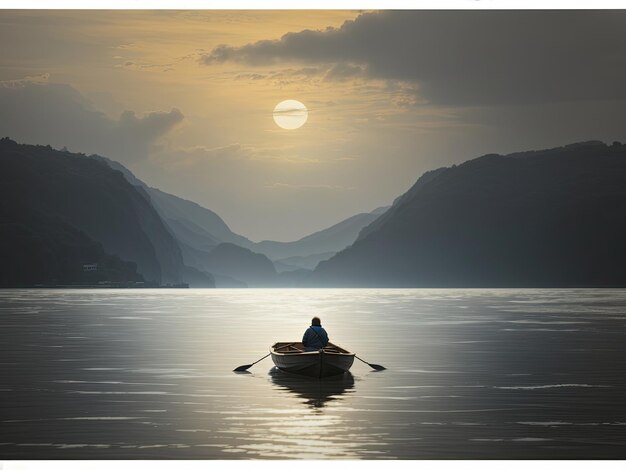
(373, 366)
(247, 366)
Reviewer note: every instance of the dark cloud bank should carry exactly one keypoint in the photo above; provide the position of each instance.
(468, 57)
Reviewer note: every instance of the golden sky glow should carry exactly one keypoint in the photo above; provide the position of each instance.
(185, 99)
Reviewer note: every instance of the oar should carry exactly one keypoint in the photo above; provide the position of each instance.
(373, 366)
(247, 366)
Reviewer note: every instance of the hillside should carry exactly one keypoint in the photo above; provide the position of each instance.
(42, 250)
(546, 218)
(41, 185)
(237, 265)
(193, 224)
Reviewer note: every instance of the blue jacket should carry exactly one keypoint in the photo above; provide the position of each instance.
(313, 340)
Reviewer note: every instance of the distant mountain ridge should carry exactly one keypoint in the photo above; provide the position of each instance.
(545, 218)
(241, 264)
(332, 239)
(548, 218)
(204, 239)
(193, 224)
(200, 230)
(294, 263)
(189, 216)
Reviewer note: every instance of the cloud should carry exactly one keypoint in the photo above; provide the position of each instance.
(19, 83)
(250, 76)
(340, 72)
(343, 71)
(483, 57)
(149, 127)
(135, 65)
(35, 111)
(287, 76)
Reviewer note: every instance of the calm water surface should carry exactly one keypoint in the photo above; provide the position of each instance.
(481, 374)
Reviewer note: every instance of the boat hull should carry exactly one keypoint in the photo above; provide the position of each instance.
(317, 364)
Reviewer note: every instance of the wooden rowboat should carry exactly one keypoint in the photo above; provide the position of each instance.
(292, 357)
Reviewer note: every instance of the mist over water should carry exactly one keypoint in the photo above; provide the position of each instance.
(482, 374)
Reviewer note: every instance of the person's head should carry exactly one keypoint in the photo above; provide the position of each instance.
(316, 322)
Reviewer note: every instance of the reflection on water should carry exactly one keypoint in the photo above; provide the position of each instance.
(147, 374)
(303, 424)
(313, 392)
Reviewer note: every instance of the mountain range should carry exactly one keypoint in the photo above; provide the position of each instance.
(158, 237)
(553, 217)
(200, 231)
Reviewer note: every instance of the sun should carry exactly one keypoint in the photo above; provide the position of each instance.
(290, 114)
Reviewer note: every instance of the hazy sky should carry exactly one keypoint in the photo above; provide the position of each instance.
(185, 99)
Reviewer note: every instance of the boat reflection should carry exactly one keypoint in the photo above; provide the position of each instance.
(315, 393)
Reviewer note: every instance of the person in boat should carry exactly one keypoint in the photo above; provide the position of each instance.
(315, 337)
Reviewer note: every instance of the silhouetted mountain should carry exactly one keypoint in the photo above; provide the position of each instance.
(332, 239)
(294, 263)
(202, 229)
(197, 277)
(385, 214)
(90, 197)
(294, 278)
(240, 264)
(37, 249)
(222, 281)
(193, 224)
(198, 230)
(195, 258)
(546, 218)
(190, 223)
(130, 177)
(191, 273)
(380, 210)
